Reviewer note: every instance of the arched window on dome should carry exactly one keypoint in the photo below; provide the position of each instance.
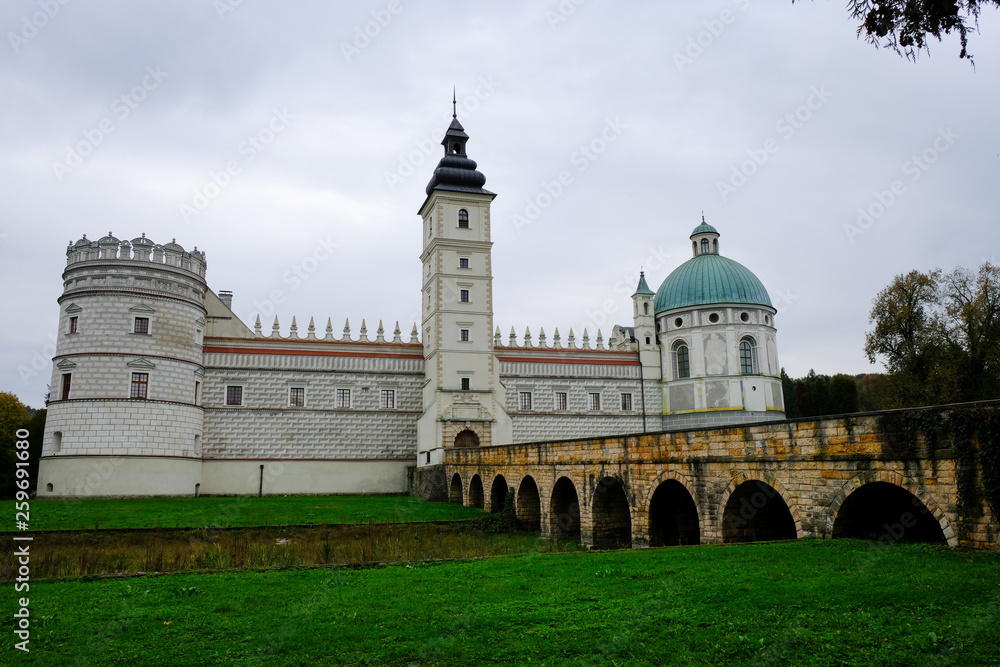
(715, 246)
(463, 219)
(748, 356)
(682, 361)
(704, 246)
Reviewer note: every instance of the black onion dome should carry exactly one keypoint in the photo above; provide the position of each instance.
(456, 171)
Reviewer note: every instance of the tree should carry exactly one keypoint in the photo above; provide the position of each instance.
(972, 311)
(938, 336)
(905, 26)
(13, 416)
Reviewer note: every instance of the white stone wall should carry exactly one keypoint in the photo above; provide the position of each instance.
(578, 381)
(265, 426)
(122, 428)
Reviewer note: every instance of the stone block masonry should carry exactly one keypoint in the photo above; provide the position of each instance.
(779, 479)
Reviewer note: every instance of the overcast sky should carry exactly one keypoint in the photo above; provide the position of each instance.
(772, 118)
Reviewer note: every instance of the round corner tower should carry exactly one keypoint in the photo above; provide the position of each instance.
(124, 416)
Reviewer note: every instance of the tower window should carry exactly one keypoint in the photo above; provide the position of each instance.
(197, 391)
(704, 246)
(748, 357)
(524, 400)
(67, 380)
(343, 398)
(463, 335)
(140, 384)
(72, 323)
(647, 340)
(463, 262)
(141, 325)
(463, 219)
(645, 309)
(234, 395)
(682, 361)
(463, 296)
(465, 384)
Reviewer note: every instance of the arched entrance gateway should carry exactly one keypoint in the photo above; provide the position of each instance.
(756, 512)
(564, 512)
(455, 491)
(528, 505)
(887, 513)
(467, 438)
(673, 517)
(612, 519)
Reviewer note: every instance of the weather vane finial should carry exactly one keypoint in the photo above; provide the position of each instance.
(454, 103)
(703, 217)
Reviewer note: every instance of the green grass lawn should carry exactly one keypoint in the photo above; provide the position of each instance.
(838, 602)
(191, 512)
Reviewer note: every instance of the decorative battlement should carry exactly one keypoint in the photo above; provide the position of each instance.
(138, 249)
(293, 333)
(557, 341)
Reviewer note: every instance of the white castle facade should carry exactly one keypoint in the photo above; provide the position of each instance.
(159, 389)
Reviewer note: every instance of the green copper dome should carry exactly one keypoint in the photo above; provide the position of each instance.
(707, 279)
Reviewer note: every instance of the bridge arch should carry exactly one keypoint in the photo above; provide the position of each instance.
(528, 504)
(498, 493)
(757, 506)
(672, 511)
(612, 517)
(455, 491)
(476, 491)
(894, 507)
(564, 510)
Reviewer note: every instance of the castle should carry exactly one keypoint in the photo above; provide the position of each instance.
(159, 389)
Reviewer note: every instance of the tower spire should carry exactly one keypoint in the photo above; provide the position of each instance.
(454, 103)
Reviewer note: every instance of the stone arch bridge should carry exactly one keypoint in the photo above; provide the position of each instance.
(886, 476)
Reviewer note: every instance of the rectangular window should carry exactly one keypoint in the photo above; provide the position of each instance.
(560, 400)
(140, 383)
(463, 262)
(464, 335)
(72, 323)
(297, 397)
(141, 325)
(463, 296)
(594, 401)
(465, 384)
(234, 395)
(197, 391)
(524, 400)
(67, 380)
(387, 399)
(343, 398)
(626, 401)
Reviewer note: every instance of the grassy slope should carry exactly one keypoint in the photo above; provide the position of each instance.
(56, 514)
(800, 603)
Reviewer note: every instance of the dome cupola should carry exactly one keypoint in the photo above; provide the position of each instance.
(456, 171)
(709, 278)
